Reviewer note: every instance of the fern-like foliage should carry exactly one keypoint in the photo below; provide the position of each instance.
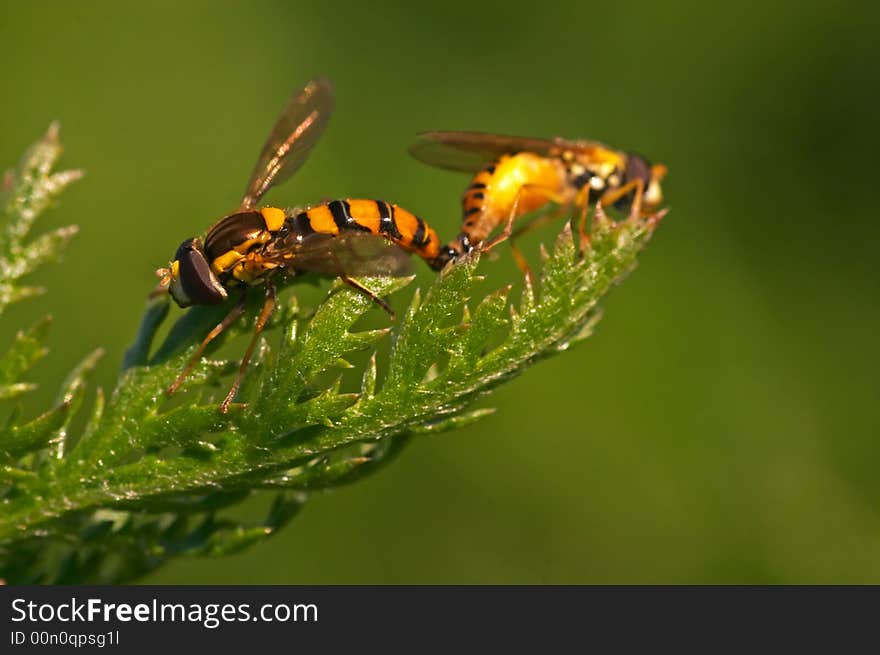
(148, 478)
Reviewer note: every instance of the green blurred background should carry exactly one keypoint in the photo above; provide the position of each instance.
(721, 426)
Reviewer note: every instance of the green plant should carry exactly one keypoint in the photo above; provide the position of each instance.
(147, 479)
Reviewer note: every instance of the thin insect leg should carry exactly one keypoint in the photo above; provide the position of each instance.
(538, 221)
(522, 263)
(550, 195)
(524, 229)
(354, 284)
(635, 210)
(616, 194)
(548, 217)
(262, 319)
(583, 202)
(486, 246)
(518, 256)
(230, 318)
(507, 232)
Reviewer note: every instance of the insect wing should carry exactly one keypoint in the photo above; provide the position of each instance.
(470, 151)
(294, 135)
(351, 253)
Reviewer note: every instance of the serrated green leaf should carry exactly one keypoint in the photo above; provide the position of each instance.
(452, 423)
(71, 396)
(34, 435)
(30, 191)
(27, 349)
(139, 351)
(151, 476)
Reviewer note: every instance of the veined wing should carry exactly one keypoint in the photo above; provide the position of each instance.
(295, 133)
(349, 253)
(471, 151)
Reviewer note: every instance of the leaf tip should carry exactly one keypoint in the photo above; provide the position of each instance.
(654, 219)
(52, 132)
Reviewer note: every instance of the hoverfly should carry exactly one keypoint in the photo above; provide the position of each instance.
(518, 175)
(252, 246)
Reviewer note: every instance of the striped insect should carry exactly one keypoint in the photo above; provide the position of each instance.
(269, 245)
(518, 175)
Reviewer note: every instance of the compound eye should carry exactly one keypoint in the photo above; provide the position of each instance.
(196, 283)
(637, 167)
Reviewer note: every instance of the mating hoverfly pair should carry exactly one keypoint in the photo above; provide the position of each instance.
(353, 237)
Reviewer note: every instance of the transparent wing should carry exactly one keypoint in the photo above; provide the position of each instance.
(351, 253)
(470, 151)
(295, 133)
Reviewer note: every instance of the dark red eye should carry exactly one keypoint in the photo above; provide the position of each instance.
(637, 167)
(232, 231)
(197, 282)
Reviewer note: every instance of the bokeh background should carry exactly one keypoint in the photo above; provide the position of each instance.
(721, 426)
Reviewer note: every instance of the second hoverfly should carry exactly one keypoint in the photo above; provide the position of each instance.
(263, 246)
(517, 175)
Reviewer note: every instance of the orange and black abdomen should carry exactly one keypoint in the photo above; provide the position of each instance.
(473, 204)
(376, 217)
(512, 185)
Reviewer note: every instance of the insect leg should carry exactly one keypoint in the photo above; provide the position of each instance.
(508, 228)
(583, 201)
(616, 194)
(549, 194)
(230, 318)
(262, 319)
(533, 224)
(354, 284)
(538, 221)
